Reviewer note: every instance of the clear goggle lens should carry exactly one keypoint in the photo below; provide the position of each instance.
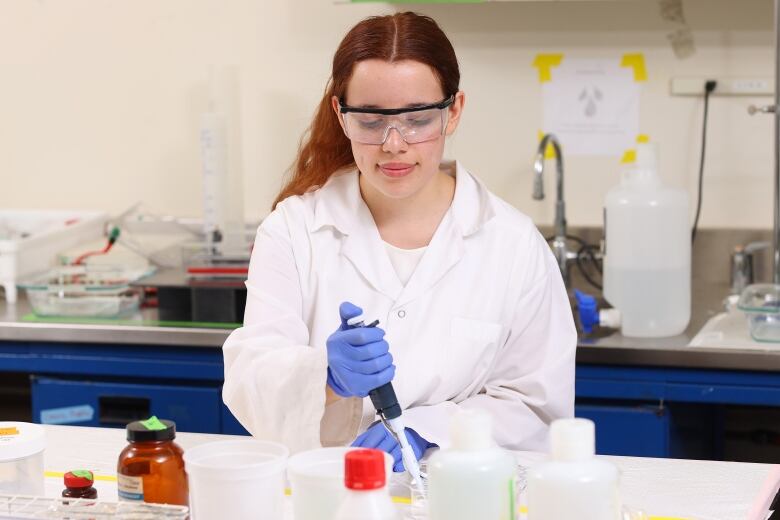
(414, 127)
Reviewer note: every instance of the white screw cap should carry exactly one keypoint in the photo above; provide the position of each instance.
(572, 439)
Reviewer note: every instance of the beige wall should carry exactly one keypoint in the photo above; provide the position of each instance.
(99, 99)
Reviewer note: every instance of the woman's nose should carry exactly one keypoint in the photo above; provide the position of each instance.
(394, 141)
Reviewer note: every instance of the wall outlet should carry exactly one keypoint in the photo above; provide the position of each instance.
(726, 86)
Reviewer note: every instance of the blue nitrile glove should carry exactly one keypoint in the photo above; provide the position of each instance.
(378, 437)
(359, 359)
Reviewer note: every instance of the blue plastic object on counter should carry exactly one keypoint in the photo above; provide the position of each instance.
(588, 311)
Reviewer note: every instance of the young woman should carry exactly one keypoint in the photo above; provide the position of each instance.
(472, 309)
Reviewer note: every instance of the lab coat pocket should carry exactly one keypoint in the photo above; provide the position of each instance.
(474, 344)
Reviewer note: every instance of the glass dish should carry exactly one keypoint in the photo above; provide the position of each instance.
(761, 304)
(97, 291)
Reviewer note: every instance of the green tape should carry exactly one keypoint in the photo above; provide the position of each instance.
(32, 317)
(83, 473)
(512, 490)
(153, 423)
(419, 1)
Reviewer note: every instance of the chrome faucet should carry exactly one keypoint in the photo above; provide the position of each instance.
(562, 255)
(742, 265)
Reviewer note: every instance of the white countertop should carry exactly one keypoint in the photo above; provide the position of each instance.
(664, 488)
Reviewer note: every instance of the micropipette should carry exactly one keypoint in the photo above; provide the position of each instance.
(386, 404)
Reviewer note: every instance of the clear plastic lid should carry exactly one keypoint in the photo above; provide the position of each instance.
(761, 298)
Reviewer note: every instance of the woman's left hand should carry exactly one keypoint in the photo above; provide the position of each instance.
(378, 437)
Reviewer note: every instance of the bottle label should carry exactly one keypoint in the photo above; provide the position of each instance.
(130, 488)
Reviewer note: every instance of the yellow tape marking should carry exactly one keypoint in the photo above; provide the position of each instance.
(57, 474)
(637, 61)
(545, 62)
(549, 152)
(630, 155)
(288, 492)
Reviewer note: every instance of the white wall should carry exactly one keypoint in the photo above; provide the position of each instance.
(99, 99)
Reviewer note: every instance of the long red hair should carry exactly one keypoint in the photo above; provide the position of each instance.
(324, 148)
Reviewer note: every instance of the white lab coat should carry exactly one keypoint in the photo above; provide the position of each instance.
(484, 322)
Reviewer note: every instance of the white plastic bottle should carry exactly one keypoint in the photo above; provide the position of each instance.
(474, 478)
(647, 263)
(367, 495)
(573, 483)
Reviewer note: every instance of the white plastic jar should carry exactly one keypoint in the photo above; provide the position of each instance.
(21, 458)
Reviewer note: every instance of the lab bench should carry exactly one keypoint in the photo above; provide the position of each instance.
(662, 488)
(648, 397)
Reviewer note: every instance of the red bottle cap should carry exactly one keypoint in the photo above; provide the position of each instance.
(79, 478)
(364, 469)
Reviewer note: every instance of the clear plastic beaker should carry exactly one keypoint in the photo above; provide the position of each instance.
(240, 480)
(317, 482)
(21, 458)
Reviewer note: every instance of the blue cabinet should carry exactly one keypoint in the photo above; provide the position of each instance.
(637, 430)
(108, 403)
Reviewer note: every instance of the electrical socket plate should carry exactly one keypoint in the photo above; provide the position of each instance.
(726, 86)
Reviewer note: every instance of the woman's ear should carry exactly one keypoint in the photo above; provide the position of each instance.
(455, 111)
(334, 102)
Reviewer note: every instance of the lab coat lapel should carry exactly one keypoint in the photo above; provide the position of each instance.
(471, 208)
(340, 206)
(444, 251)
(363, 247)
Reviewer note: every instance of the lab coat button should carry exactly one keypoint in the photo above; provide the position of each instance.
(401, 313)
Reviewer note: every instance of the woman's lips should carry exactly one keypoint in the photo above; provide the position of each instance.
(396, 169)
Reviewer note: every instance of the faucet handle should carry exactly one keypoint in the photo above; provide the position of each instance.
(741, 270)
(742, 266)
(538, 193)
(753, 247)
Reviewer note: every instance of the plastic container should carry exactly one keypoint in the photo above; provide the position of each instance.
(474, 478)
(240, 480)
(21, 458)
(367, 496)
(151, 467)
(317, 482)
(761, 304)
(87, 291)
(573, 482)
(647, 262)
(30, 241)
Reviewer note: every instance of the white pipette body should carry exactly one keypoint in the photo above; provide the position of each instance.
(407, 454)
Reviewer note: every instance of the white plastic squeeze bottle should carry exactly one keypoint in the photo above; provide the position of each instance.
(474, 478)
(367, 495)
(573, 483)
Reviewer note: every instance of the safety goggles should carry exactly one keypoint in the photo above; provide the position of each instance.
(415, 124)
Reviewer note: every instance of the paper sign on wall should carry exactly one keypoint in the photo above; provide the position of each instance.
(592, 105)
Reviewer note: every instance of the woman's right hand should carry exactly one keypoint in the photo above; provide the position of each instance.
(359, 359)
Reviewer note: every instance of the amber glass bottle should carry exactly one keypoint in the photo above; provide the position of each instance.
(151, 467)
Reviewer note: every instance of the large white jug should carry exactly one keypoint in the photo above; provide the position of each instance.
(647, 263)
